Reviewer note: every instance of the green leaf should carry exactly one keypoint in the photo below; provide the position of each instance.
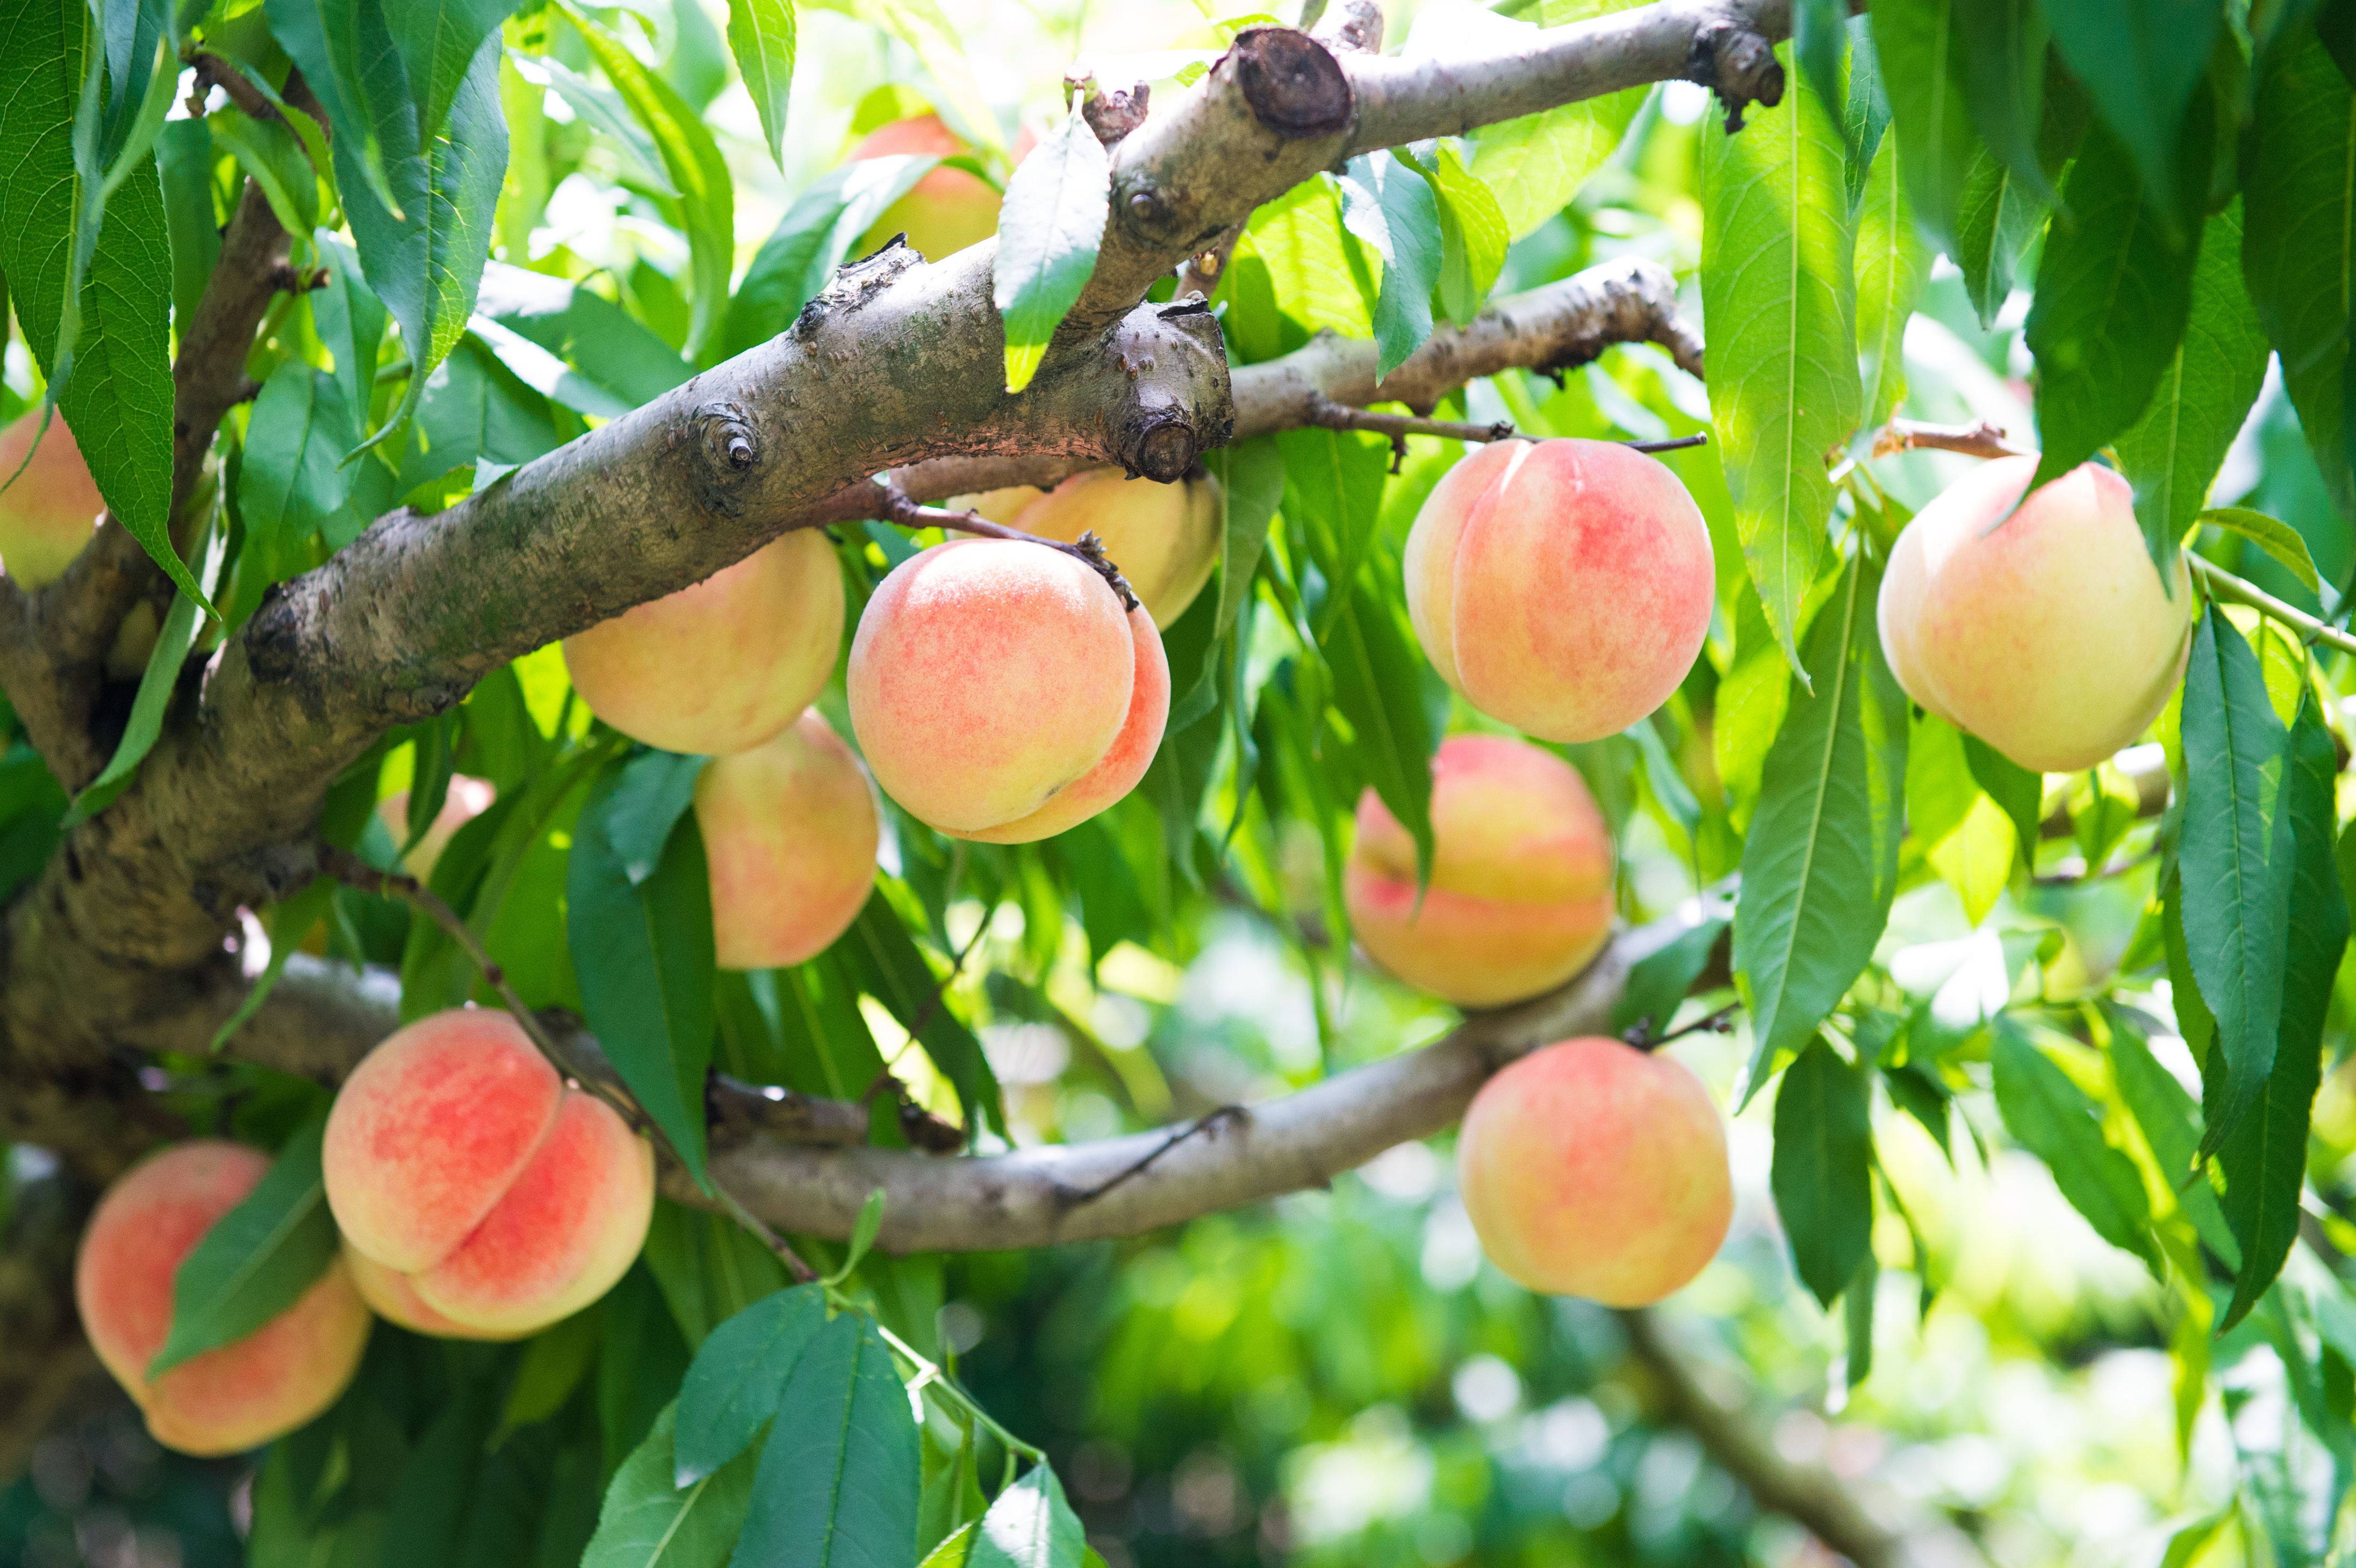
(2020, 792)
(1472, 233)
(2265, 1159)
(157, 683)
(349, 319)
(642, 949)
(810, 241)
(2002, 49)
(882, 959)
(1251, 485)
(2051, 1116)
(1822, 1176)
(290, 920)
(2235, 877)
(2297, 248)
(1778, 300)
(2140, 61)
(1378, 687)
(1389, 206)
(2113, 294)
(184, 160)
(2000, 214)
(1820, 861)
(647, 1522)
(353, 65)
(424, 257)
(737, 1379)
(839, 1479)
(706, 195)
(955, 1550)
(290, 478)
(1030, 1526)
(1659, 981)
(257, 1260)
(925, 28)
(556, 1361)
(761, 37)
(2273, 535)
(1892, 263)
(596, 337)
(1865, 109)
(652, 792)
(1820, 44)
(1535, 164)
(2172, 454)
(2170, 1120)
(1857, 1321)
(1916, 43)
(438, 40)
(862, 1236)
(1048, 231)
(119, 388)
(268, 151)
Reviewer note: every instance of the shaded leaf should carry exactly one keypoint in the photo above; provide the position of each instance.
(1472, 233)
(737, 1379)
(2140, 61)
(1916, 44)
(647, 1522)
(839, 1479)
(257, 1260)
(157, 683)
(1251, 486)
(2052, 1118)
(2002, 47)
(882, 959)
(810, 241)
(438, 41)
(1893, 265)
(354, 66)
(1822, 1176)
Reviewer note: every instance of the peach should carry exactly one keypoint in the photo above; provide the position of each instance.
(468, 798)
(1562, 587)
(51, 510)
(236, 1396)
(946, 210)
(2046, 633)
(1590, 1168)
(1002, 693)
(1164, 538)
(1521, 893)
(393, 1297)
(789, 830)
(457, 1161)
(725, 665)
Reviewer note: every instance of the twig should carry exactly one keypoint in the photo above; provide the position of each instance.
(1324, 413)
(1206, 1124)
(1984, 438)
(1642, 1038)
(803, 1274)
(212, 71)
(2222, 584)
(888, 503)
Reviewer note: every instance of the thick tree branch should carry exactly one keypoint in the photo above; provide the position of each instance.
(1823, 1503)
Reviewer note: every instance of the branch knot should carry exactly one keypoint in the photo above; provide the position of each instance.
(1736, 64)
(1294, 85)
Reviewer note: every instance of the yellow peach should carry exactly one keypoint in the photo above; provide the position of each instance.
(1164, 538)
(789, 830)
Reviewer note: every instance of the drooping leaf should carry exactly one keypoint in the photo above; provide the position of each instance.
(438, 40)
(1916, 42)
(642, 948)
(1820, 46)
(1893, 265)
(2264, 1159)
(1048, 231)
(1030, 1525)
(883, 961)
(737, 1379)
(354, 66)
(1820, 862)
(2051, 1116)
(1474, 234)
(2141, 61)
(119, 391)
(2002, 49)
(1392, 209)
(2113, 294)
(839, 1479)
(651, 795)
(1822, 1176)
(257, 1260)
(184, 158)
(1251, 485)
(2172, 453)
(2273, 535)
(2019, 792)
(2170, 1120)
(690, 158)
(290, 477)
(1778, 302)
(423, 258)
(647, 1521)
(761, 37)
(349, 320)
(2234, 873)
(2297, 250)
(1376, 687)
(157, 683)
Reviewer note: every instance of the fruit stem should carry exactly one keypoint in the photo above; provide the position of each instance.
(889, 504)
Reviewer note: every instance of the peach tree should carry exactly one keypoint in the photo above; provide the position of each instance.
(611, 614)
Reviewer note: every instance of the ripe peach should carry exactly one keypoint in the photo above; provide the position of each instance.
(1002, 693)
(51, 510)
(725, 665)
(1563, 586)
(456, 1158)
(468, 798)
(2047, 634)
(393, 1297)
(1590, 1168)
(1164, 538)
(946, 210)
(789, 829)
(239, 1395)
(1521, 892)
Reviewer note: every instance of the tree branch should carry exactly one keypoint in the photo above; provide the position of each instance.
(1823, 1503)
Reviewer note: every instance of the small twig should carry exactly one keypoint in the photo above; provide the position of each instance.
(1669, 443)
(1720, 1022)
(957, 966)
(1982, 438)
(803, 1274)
(889, 503)
(1324, 413)
(1205, 1125)
(2222, 584)
(211, 70)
